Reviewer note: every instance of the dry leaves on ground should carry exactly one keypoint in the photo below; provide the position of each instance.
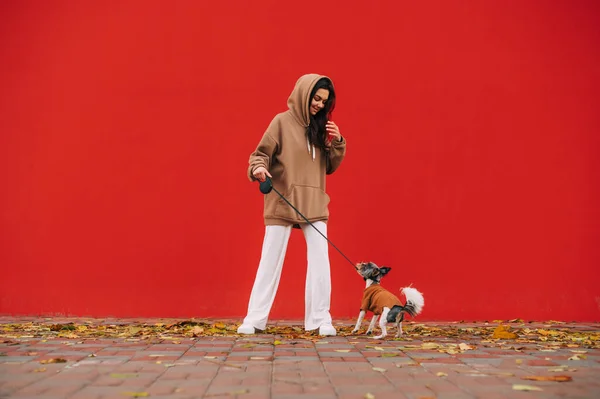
(518, 338)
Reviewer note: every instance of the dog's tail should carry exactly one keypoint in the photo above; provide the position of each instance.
(414, 301)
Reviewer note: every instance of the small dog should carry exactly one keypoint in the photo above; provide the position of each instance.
(380, 301)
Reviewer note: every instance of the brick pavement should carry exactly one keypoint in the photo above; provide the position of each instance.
(419, 365)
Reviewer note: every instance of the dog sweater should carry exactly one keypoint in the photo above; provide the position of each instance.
(375, 298)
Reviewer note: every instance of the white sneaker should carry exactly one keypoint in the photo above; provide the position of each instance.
(245, 329)
(327, 329)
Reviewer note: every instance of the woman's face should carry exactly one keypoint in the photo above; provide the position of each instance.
(318, 102)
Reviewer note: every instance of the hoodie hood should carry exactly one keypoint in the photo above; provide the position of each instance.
(299, 100)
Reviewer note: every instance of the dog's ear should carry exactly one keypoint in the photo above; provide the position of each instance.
(385, 270)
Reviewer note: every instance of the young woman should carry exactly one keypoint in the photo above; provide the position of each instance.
(300, 147)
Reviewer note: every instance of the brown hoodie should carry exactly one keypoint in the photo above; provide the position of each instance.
(298, 169)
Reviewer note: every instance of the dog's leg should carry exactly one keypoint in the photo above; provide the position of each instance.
(383, 323)
(398, 327)
(361, 316)
(372, 325)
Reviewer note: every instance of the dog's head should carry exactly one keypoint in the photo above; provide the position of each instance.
(370, 271)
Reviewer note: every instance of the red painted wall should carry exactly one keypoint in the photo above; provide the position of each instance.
(472, 166)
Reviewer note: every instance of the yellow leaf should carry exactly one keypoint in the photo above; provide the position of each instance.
(578, 351)
(277, 342)
(119, 375)
(369, 395)
(552, 333)
(220, 325)
(430, 345)
(518, 387)
(136, 394)
(578, 357)
(197, 330)
(389, 354)
(464, 347)
(343, 350)
(440, 374)
(559, 369)
(379, 369)
(558, 378)
(57, 360)
(519, 361)
(377, 348)
(40, 370)
(503, 332)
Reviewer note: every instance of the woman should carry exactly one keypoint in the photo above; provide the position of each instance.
(298, 149)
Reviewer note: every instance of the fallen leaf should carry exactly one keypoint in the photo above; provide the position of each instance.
(136, 394)
(440, 374)
(578, 357)
(379, 369)
(518, 387)
(119, 375)
(558, 378)
(277, 342)
(503, 332)
(56, 360)
(464, 347)
(519, 361)
(578, 351)
(40, 370)
(369, 395)
(343, 350)
(389, 354)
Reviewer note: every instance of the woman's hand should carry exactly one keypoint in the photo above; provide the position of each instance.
(334, 133)
(260, 173)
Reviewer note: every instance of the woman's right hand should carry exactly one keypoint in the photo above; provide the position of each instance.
(260, 173)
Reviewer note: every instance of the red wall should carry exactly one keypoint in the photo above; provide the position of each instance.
(472, 166)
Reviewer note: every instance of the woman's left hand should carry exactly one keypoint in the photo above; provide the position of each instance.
(333, 132)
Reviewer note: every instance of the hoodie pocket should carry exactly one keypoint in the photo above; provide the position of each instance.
(311, 201)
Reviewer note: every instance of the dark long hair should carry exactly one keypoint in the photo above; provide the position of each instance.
(316, 129)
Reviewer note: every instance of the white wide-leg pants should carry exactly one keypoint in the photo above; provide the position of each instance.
(318, 278)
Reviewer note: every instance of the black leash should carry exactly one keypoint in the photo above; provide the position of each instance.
(266, 187)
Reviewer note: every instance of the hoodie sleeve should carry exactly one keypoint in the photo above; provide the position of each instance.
(263, 154)
(336, 154)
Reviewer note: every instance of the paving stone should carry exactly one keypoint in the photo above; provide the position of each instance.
(252, 367)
